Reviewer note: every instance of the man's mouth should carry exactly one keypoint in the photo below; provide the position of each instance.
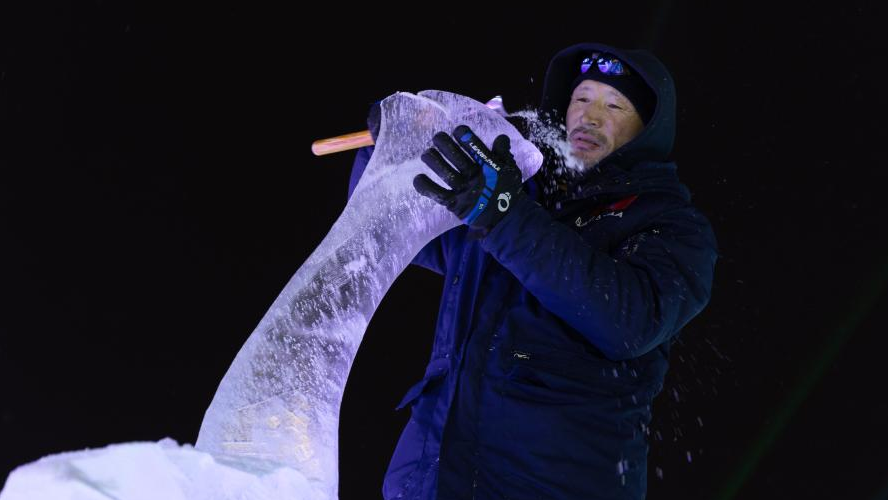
(585, 142)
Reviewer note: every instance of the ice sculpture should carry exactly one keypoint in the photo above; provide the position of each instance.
(279, 401)
(278, 405)
(152, 471)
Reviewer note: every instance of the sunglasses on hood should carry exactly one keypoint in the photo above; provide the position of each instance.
(606, 64)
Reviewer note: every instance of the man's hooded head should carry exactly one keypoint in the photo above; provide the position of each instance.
(608, 69)
(616, 105)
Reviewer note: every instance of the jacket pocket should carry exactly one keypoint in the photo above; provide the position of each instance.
(435, 371)
(572, 372)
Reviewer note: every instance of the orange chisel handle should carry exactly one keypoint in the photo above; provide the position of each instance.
(341, 143)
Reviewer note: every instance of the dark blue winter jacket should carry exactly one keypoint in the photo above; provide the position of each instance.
(554, 328)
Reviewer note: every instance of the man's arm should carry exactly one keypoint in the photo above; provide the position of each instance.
(624, 306)
(432, 255)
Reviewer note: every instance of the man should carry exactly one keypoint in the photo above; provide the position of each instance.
(561, 297)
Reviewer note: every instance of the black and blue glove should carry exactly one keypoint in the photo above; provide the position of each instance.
(485, 184)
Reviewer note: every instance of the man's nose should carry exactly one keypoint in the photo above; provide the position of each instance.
(591, 117)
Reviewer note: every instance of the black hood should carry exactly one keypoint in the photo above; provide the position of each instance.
(641, 165)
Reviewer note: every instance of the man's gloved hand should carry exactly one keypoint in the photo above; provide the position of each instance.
(484, 184)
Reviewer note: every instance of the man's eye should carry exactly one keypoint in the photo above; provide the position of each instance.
(582, 99)
(614, 106)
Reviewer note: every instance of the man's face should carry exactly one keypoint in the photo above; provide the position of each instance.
(599, 120)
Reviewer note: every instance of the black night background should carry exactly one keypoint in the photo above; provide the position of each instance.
(157, 190)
